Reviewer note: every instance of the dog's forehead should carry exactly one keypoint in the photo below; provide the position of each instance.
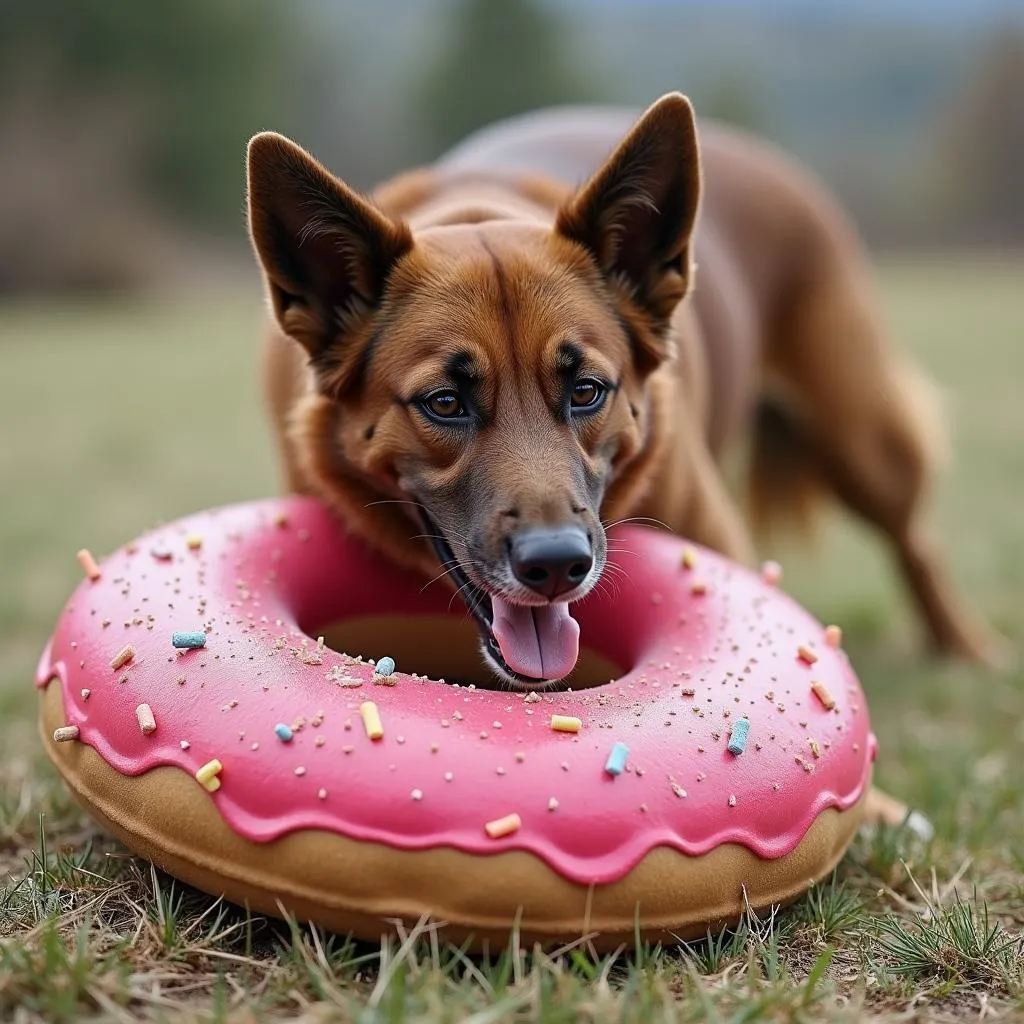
(489, 278)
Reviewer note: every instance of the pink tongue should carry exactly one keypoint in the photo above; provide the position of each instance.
(542, 642)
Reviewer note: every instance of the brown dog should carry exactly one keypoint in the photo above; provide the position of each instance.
(487, 355)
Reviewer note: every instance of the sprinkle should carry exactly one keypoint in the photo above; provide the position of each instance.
(189, 640)
(384, 667)
(123, 656)
(417, 794)
(193, 542)
(207, 775)
(617, 759)
(371, 720)
(678, 790)
(771, 573)
(805, 654)
(162, 553)
(552, 804)
(284, 733)
(689, 559)
(732, 799)
(300, 771)
(688, 691)
(65, 734)
(280, 520)
(88, 564)
(815, 748)
(738, 737)
(448, 776)
(565, 723)
(184, 744)
(698, 588)
(821, 692)
(321, 794)
(503, 826)
(86, 693)
(833, 636)
(147, 723)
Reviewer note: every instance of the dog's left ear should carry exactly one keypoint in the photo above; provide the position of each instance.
(636, 214)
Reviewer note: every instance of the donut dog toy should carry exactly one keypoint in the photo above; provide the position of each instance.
(190, 704)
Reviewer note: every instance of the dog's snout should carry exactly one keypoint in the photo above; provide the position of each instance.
(551, 562)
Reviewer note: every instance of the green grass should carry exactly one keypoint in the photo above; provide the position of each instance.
(113, 417)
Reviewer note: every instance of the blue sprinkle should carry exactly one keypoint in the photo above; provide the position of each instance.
(284, 734)
(738, 739)
(616, 762)
(385, 666)
(196, 638)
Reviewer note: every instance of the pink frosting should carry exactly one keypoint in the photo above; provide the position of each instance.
(453, 758)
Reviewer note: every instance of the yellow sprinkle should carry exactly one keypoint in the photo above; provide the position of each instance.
(147, 723)
(503, 826)
(689, 559)
(193, 542)
(806, 654)
(207, 775)
(88, 564)
(371, 720)
(65, 734)
(834, 636)
(821, 692)
(565, 723)
(122, 657)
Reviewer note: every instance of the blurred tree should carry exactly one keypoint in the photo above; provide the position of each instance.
(194, 77)
(982, 145)
(503, 57)
(733, 96)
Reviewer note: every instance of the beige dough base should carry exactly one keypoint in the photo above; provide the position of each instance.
(349, 885)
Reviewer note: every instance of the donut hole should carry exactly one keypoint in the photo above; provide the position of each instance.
(444, 647)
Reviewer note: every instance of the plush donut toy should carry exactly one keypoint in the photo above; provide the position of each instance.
(188, 700)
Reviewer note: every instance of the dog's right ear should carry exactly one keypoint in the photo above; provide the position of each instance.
(325, 250)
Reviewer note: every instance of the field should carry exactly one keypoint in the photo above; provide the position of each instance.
(114, 417)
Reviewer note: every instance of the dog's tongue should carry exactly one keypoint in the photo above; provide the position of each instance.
(542, 642)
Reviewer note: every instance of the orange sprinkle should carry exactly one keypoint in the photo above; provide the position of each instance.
(503, 826)
(805, 654)
(698, 588)
(88, 564)
(834, 636)
(122, 657)
(821, 692)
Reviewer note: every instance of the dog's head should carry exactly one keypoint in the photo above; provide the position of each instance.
(487, 379)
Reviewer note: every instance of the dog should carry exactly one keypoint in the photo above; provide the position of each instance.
(565, 322)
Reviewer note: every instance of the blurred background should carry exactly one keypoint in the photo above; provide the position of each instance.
(123, 125)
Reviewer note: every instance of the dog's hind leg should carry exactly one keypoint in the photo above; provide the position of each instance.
(856, 420)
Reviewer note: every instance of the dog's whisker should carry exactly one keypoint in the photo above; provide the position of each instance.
(634, 519)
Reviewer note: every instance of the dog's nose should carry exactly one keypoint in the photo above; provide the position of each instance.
(553, 561)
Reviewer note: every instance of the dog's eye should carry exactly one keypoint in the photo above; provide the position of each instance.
(444, 405)
(587, 395)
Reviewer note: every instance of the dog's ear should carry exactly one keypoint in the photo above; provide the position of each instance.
(326, 251)
(636, 214)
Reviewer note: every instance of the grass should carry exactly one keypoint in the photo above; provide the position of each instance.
(113, 417)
